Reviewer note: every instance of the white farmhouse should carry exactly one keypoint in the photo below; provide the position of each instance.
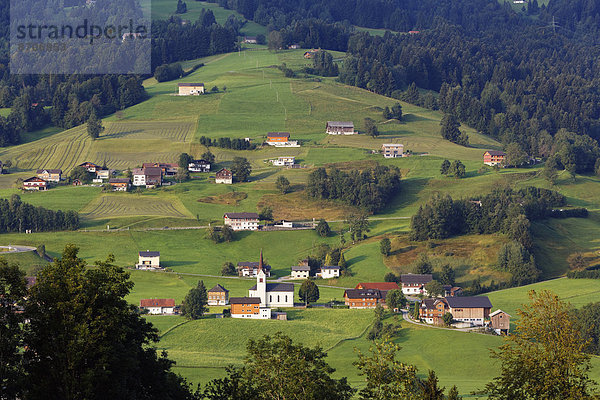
(148, 260)
(158, 306)
(329, 272)
(300, 272)
(243, 221)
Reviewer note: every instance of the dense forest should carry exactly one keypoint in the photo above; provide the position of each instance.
(370, 189)
(16, 216)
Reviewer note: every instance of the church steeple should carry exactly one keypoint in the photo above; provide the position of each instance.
(261, 282)
(260, 261)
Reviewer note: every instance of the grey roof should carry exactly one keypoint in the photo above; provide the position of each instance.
(244, 300)
(51, 171)
(496, 153)
(119, 180)
(342, 124)
(469, 302)
(149, 253)
(428, 303)
(278, 287)
(191, 84)
(300, 268)
(242, 215)
(218, 288)
(365, 293)
(416, 278)
(252, 264)
(278, 134)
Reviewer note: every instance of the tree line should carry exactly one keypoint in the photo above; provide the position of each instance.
(16, 216)
(371, 189)
(227, 143)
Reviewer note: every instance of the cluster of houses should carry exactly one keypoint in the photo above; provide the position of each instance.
(304, 271)
(150, 175)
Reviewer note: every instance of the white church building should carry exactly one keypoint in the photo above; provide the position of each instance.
(271, 294)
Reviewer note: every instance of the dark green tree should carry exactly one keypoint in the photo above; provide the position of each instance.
(241, 169)
(434, 289)
(453, 394)
(450, 131)
(283, 184)
(358, 225)
(194, 304)
(371, 127)
(448, 318)
(184, 160)
(391, 277)
(385, 246)
(227, 233)
(457, 169)
(85, 341)
(447, 276)
(81, 174)
(308, 292)
(208, 156)
(266, 214)
(423, 265)
(445, 167)
(228, 269)
(396, 112)
(430, 389)
(323, 228)
(94, 126)
(12, 295)
(395, 299)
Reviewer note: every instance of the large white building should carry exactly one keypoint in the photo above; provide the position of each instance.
(329, 272)
(148, 260)
(243, 221)
(158, 306)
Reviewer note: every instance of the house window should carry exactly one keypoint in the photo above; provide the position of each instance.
(278, 298)
(286, 298)
(270, 299)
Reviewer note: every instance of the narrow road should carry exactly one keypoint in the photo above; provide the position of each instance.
(16, 249)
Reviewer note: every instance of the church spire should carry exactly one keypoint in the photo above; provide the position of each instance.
(260, 261)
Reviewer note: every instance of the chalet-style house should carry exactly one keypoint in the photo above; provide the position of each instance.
(49, 175)
(271, 294)
(474, 310)
(250, 39)
(309, 54)
(500, 322)
(364, 298)
(340, 128)
(493, 157)
(90, 167)
(119, 184)
(432, 311)
(329, 272)
(218, 296)
(191, 89)
(243, 221)
(248, 307)
(149, 177)
(168, 169)
(148, 260)
(224, 176)
(250, 268)
(391, 150)
(286, 161)
(414, 284)
(35, 183)
(102, 173)
(158, 306)
(274, 138)
(300, 272)
(452, 291)
(199, 166)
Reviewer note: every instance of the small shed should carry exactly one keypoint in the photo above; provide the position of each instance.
(500, 322)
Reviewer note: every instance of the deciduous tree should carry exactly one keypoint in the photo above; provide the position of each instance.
(283, 184)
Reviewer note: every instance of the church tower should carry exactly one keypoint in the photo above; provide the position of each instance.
(261, 282)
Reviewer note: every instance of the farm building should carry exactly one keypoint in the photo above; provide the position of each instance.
(294, 46)
(300, 272)
(250, 39)
(199, 166)
(329, 272)
(250, 268)
(191, 89)
(473, 310)
(89, 166)
(49, 175)
(451, 291)
(340, 128)
(148, 260)
(309, 54)
(168, 169)
(500, 322)
(493, 157)
(364, 298)
(218, 296)
(243, 221)
(119, 184)
(148, 177)
(391, 150)
(102, 173)
(286, 161)
(432, 311)
(35, 183)
(248, 307)
(274, 138)
(224, 176)
(414, 284)
(158, 306)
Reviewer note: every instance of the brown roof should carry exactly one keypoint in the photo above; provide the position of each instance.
(160, 165)
(378, 285)
(218, 288)
(157, 303)
(34, 179)
(119, 180)
(152, 171)
(191, 84)
(51, 171)
(242, 215)
(224, 171)
(244, 300)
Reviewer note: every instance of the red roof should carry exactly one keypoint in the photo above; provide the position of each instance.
(378, 285)
(157, 303)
